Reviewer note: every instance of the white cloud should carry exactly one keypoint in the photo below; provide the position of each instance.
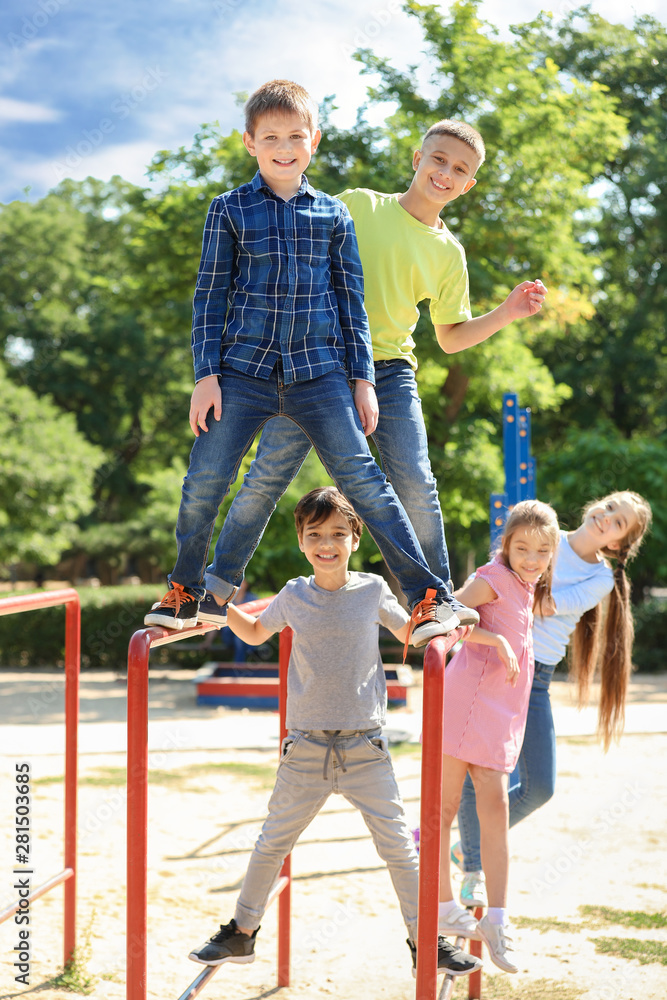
(25, 111)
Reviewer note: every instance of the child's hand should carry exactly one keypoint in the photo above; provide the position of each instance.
(366, 403)
(526, 299)
(506, 654)
(206, 394)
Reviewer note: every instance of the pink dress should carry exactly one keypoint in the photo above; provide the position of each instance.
(485, 718)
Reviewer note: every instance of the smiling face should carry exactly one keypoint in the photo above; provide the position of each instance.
(529, 553)
(609, 521)
(283, 145)
(444, 169)
(328, 545)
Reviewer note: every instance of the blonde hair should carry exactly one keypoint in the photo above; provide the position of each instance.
(540, 517)
(618, 632)
(459, 130)
(282, 97)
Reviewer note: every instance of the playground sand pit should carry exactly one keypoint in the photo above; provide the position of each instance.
(584, 868)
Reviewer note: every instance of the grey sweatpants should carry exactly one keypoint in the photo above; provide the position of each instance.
(368, 783)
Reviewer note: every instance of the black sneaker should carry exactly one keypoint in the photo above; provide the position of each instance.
(177, 610)
(212, 612)
(228, 945)
(451, 960)
(431, 617)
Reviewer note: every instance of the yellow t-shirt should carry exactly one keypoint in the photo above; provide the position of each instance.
(405, 262)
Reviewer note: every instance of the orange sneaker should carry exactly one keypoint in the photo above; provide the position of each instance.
(178, 609)
(431, 617)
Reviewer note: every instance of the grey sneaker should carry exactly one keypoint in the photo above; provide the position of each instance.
(466, 616)
(451, 960)
(498, 941)
(228, 945)
(212, 612)
(431, 617)
(473, 889)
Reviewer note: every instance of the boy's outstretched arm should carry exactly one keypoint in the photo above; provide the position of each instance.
(246, 627)
(524, 300)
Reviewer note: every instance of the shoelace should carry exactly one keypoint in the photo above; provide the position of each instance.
(175, 597)
(422, 612)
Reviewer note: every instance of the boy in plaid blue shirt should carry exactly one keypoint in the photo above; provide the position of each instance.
(279, 328)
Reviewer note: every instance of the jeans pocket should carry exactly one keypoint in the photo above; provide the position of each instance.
(378, 744)
(287, 747)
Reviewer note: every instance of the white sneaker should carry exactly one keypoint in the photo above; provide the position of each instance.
(460, 923)
(498, 941)
(473, 889)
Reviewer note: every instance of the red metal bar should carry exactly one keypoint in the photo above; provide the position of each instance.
(285, 900)
(430, 813)
(137, 803)
(55, 880)
(50, 599)
(475, 978)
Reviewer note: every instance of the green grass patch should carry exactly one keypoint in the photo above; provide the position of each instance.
(651, 885)
(75, 977)
(601, 915)
(405, 750)
(544, 924)
(644, 952)
(504, 988)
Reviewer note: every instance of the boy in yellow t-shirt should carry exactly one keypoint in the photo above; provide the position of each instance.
(408, 255)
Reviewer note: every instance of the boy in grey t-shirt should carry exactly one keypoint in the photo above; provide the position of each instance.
(336, 704)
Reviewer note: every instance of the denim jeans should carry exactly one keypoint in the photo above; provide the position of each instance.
(324, 410)
(532, 782)
(368, 783)
(403, 448)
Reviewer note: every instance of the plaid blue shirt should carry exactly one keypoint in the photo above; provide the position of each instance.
(280, 280)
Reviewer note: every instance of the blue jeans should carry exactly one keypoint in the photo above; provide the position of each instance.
(533, 781)
(403, 448)
(324, 410)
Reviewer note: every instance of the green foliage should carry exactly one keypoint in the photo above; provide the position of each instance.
(648, 651)
(46, 476)
(96, 284)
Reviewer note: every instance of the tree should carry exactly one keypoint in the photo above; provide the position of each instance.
(46, 476)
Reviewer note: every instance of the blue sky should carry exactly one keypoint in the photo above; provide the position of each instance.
(97, 87)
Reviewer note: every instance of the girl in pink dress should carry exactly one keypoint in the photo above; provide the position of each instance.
(487, 687)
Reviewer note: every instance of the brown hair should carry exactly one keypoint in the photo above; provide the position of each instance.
(540, 517)
(618, 633)
(460, 130)
(282, 97)
(320, 504)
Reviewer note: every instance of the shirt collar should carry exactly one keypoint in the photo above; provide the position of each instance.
(257, 184)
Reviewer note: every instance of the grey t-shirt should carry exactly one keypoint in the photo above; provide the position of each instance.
(335, 678)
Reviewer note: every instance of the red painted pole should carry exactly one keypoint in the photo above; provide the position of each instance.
(429, 823)
(137, 812)
(51, 599)
(72, 668)
(285, 898)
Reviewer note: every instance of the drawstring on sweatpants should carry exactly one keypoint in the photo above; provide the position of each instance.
(332, 745)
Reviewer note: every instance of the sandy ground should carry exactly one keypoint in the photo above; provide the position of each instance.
(599, 842)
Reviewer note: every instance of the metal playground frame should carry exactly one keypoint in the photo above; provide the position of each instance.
(140, 646)
(31, 602)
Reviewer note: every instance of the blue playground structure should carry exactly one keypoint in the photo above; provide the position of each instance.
(519, 465)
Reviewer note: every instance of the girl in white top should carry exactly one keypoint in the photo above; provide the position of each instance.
(590, 564)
